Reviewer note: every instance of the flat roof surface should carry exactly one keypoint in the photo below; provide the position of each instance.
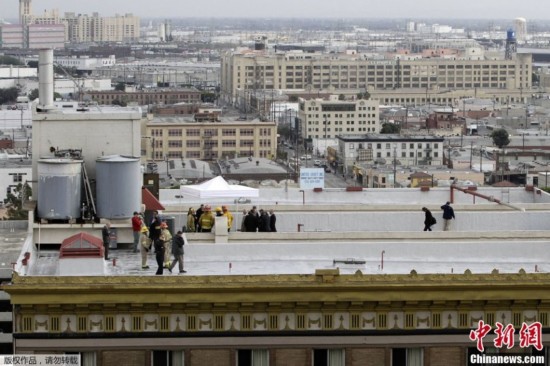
(12, 238)
(399, 257)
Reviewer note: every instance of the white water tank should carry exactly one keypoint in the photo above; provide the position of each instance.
(59, 188)
(118, 186)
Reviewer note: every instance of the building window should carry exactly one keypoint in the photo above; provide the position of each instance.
(174, 132)
(193, 132)
(252, 357)
(175, 143)
(328, 357)
(407, 357)
(18, 178)
(168, 358)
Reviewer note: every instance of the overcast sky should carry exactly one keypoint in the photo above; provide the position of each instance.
(421, 9)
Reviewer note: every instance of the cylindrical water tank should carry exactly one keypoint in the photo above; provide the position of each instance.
(59, 188)
(118, 186)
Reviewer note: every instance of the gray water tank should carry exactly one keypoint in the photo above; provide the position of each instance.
(59, 188)
(118, 186)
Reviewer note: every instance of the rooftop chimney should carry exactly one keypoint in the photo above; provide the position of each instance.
(45, 80)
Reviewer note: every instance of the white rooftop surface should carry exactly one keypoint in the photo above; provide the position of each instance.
(400, 257)
(387, 196)
(357, 226)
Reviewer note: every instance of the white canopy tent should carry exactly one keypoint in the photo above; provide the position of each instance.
(219, 188)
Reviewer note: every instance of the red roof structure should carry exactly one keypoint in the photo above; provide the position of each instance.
(81, 245)
(150, 201)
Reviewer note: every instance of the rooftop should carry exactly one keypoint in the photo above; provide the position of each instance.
(373, 231)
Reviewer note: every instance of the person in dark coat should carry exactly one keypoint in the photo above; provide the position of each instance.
(251, 221)
(177, 251)
(106, 235)
(264, 222)
(198, 215)
(448, 215)
(429, 220)
(272, 221)
(159, 254)
(154, 227)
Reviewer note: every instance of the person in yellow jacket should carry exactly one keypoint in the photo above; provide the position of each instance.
(145, 246)
(229, 216)
(166, 237)
(206, 221)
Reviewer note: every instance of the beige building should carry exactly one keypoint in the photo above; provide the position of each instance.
(148, 96)
(388, 148)
(254, 70)
(328, 118)
(85, 28)
(179, 138)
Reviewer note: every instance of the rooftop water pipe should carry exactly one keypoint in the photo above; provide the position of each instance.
(488, 198)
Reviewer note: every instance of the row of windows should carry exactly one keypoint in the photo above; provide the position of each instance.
(412, 154)
(388, 145)
(395, 65)
(209, 154)
(369, 115)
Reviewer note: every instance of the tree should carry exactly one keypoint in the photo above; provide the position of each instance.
(284, 131)
(15, 200)
(9, 60)
(363, 95)
(33, 94)
(120, 86)
(389, 128)
(8, 95)
(341, 97)
(121, 103)
(208, 97)
(500, 138)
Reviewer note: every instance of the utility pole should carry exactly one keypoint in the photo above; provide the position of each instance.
(471, 153)
(394, 166)
(481, 159)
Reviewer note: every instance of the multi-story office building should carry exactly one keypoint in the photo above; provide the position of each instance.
(149, 96)
(329, 118)
(85, 28)
(254, 70)
(176, 138)
(82, 27)
(383, 149)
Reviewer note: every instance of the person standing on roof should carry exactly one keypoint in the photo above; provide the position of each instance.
(159, 255)
(229, 216)
(448, 215)
(198, 215)
(145, 247)
(429, 220)
(206, 220)
(166, 237)
(272, 220)
(154, 227)
(106, 235)
(177, 251)
(191, 219)
(136, 229)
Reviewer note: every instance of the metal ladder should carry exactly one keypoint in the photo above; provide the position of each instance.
(88, 191)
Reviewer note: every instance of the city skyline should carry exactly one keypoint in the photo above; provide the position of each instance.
(420, 9)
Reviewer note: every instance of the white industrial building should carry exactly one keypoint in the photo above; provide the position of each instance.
(13, 171)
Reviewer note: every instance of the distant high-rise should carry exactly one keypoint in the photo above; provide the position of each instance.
(25, 11)
(520, 25)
